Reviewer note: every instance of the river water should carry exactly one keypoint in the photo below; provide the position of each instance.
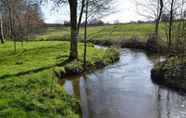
(125, 90)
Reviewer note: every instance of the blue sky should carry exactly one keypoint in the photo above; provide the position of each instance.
(125, 12)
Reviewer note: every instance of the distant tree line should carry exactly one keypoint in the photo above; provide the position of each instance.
(93, 22)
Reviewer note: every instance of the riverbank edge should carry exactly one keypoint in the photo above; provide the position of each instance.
(149, 45)
(134, 43)
(158, 73)
(76, 67)
(170, 73)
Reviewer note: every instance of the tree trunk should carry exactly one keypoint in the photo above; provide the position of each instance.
(85, 35)
(160, 10)
(81, 13)
(2, 32)
(170, 25)
(74, 30)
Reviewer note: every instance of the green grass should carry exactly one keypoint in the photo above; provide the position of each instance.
(35, 55)
(28, 85)
(107, 32)
(36, 95)
(39, 55)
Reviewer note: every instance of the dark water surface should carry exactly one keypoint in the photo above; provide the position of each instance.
(125, 90)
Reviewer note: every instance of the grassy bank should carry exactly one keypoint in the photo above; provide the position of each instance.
(171, 73)
(36, 95)
(28, 85)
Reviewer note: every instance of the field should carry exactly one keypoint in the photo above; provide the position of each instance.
(106, 32)
(28, 85)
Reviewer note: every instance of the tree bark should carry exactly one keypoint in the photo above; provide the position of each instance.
(2, 31)
(81, 13)
(170, 25)
(160, 2)
(74, 30)
(85, 35)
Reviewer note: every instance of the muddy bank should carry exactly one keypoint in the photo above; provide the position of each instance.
(171, 73)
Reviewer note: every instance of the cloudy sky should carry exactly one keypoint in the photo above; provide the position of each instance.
(126, 11)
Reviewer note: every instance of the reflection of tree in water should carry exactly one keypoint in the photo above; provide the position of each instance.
(76, 87)
(84, 91)
(160, 106)
(158, 102)
(168, 104)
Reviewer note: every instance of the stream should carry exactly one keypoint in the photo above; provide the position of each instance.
(125, 90)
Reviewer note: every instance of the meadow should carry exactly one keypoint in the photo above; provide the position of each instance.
(28, 84)
(105, 32)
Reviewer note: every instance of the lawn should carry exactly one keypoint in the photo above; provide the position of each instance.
(28, 85)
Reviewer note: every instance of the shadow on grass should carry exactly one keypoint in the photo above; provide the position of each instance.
(6, 76)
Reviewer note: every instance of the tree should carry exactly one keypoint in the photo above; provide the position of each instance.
(152, 9)
(160, 11)
(85, 34)
(18, 18)
(170, 24)
(1, 29)
(74, 28)
(174, 20)
(76, 12)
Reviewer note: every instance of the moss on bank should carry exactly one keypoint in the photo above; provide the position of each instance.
(95, 61)
(28, 85)
(171, 73)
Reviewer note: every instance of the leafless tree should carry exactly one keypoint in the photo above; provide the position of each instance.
(160, 11)
(151, 9)
(1, 29)
(170, 24)
(85, 34)
(14, 17)
(77, 8)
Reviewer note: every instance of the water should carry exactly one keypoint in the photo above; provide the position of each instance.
(125, 90)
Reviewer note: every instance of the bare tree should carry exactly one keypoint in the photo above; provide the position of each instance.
(14, 18)
(151, 9)
(170, 24)
(160, 11)
(2, 32)
(96, 6)
(85, 34)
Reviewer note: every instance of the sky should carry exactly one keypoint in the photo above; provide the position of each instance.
(125, 11)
